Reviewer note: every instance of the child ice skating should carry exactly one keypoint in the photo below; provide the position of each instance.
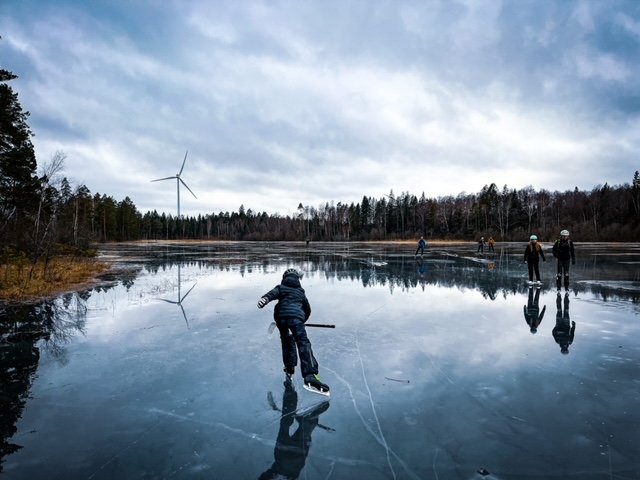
(532, 253)
(290, 314)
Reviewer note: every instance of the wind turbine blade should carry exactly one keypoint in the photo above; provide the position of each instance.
(187, 187)
(185, 295)
(184, 314)
(166, 178)
(169, 301)
(183, 162)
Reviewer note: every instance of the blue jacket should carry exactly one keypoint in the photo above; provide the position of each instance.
(292, 301)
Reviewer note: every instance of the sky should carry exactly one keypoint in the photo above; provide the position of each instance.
(281, 103)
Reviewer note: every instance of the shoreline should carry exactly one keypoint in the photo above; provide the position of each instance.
(106, 267)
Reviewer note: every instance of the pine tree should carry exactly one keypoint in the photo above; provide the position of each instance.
(18, 180)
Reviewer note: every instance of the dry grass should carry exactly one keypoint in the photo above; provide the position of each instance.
(62, 274)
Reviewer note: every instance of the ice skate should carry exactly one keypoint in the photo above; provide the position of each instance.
(313, 384)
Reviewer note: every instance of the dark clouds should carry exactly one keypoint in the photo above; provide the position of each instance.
(288, 102)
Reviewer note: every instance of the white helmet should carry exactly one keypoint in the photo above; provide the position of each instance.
(564, 233)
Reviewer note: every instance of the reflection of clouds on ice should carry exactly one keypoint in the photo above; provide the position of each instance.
(621, 285)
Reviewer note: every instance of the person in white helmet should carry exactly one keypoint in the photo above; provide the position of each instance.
(532, 255)
(564, 253)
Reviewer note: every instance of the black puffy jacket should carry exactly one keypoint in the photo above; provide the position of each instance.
(563, 250)
(292, 301)
(532, 251)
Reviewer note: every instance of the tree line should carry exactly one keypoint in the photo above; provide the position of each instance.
(41, 211)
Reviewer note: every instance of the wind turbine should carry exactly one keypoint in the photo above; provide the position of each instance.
(178, 181)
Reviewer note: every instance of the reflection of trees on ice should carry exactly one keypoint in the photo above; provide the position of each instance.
(448, 266)
(25, 333)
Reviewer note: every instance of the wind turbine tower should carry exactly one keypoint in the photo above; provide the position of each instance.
(178, 182)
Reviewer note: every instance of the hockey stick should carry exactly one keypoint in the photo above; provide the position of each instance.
(272, 327)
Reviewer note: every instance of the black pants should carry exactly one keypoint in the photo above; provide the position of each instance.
(534, 267)
(293, 335)
(563, 270)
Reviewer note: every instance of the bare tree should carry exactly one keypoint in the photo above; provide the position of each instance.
(51, 178)
(529, 204)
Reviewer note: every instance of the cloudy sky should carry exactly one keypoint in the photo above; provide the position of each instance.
(286, 102)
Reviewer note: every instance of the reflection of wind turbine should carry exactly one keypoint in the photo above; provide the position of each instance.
(180, 298)
(178, 181)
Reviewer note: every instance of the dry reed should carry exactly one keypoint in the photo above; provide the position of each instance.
(20, 282)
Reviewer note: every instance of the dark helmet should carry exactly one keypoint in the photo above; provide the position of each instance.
(292, 271)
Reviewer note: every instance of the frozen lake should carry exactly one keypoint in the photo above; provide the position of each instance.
(169, 371)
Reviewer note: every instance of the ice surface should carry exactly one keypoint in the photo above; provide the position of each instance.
(171, 371)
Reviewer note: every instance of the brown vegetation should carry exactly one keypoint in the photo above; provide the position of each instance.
(21, 282)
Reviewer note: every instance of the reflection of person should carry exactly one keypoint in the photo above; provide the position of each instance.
(563, 251)
(564, 331)
(491, 244)
(532, 313)
(291, 450)
(532, 254)
(481, 245)
(421, 246)
(422, 268)
(290, 314)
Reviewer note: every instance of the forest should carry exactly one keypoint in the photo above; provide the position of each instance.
(41, 212)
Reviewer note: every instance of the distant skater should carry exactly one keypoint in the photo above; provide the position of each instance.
(290, 314)
(421, 246)
(491, 244)
(532, 254)
(480, 245)
(564, 252)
